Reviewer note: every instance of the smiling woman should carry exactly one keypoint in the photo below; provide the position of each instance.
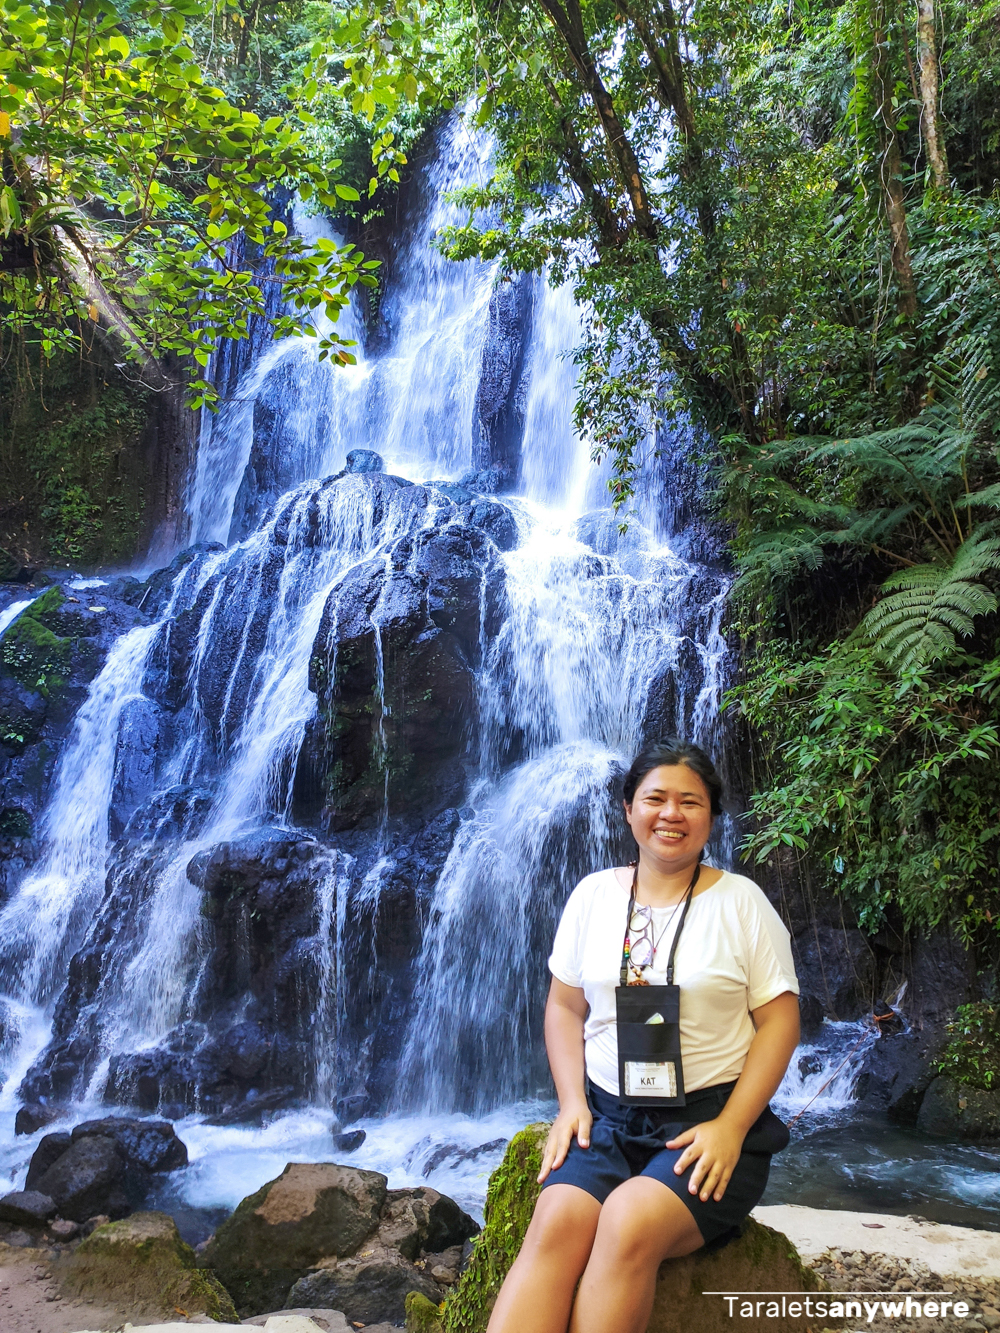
(671, 1019)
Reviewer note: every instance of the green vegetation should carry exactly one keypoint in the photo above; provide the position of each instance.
(510, 1201)
(972, 1055)
(32, 653)
(783, 223)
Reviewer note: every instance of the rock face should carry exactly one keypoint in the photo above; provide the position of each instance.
(761, 1260)
(48, 657)
(956, 1111)
(103, 1166)
(143, 1266)
(333, 1237)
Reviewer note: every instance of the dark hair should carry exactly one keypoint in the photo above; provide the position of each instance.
(667, 753)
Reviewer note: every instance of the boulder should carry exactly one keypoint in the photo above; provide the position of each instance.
(370, 1286)
(49, 1150)
(348, 1141)
(760, 1260)
(150, 1144)
(364, 460)
(93, 1176)
(104, 1166)
(34, 1116)
(954, 1111)
(311, 1212)
(142, 1265)
(27, 1208)
(422, 1220)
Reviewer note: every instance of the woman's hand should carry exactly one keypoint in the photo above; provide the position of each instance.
(573, 1120)
(715, 1148)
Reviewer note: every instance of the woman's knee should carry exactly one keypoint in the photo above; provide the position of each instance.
(564, 1222)
(642, 1223)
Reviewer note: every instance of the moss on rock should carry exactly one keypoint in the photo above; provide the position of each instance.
(142, 1265)
(510, 1201)
(760, 1260)
(422, 1315)
(32, 653)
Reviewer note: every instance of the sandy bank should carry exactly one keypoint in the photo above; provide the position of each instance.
(947, 1250)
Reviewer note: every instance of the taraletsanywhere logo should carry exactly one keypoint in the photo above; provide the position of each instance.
(867, 1306)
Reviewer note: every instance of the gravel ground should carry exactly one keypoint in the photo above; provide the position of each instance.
(868, 1273)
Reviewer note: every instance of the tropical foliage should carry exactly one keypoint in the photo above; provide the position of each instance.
(783, 224)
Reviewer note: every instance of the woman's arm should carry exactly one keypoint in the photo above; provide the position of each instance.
(565, 1012)
(715, 1146)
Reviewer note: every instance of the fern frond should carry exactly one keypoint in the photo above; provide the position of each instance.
(928, 606)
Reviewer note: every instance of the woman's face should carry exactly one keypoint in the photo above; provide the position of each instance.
(671, 816)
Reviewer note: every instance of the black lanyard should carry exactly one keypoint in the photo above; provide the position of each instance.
(677, 932)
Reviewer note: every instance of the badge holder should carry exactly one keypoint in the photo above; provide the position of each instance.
(649, 1034)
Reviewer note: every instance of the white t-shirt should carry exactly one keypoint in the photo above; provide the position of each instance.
(734, 955)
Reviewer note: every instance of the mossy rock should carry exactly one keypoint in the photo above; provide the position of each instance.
(141, 1265)
(32, 653)
(510, 1201)
(761, 1259)
(422, 1315)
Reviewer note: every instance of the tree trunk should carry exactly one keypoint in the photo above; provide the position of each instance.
(927, 58)
(890, 168)
(568, 22)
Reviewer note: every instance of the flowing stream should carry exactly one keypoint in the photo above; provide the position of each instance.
(593, 641)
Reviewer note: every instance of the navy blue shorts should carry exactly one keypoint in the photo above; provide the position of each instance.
(628, 1141)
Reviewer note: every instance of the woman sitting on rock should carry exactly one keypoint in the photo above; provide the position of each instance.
(671, 1018)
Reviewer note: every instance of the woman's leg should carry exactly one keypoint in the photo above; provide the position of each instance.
(538, 1291)
(641, 1224)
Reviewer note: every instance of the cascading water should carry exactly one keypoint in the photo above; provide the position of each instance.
(315, 822)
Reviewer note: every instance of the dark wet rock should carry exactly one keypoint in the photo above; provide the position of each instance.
(244, 864)
(392, 667)
(141, 731)
(454, 1155)
(352, 1108)
(955, 1111)
(27, 1208)
(370, 1287)
(348, 1141)
(500, 396)
(92, 1176)
(150, 1144)
(103, 1166)
(364, 460)
(22, 715)
(252, 1110)
(10, 567)
(48, 1152)
(175, 813)
(495, 520)
(838, 969)
(275, 1236)
(34, 1116)
(901, 1066)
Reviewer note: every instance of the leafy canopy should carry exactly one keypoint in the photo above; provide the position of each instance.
(137, 195)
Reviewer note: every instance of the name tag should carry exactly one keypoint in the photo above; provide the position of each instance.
(650, 1080)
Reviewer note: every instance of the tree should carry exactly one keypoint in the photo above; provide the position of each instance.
(127, 179)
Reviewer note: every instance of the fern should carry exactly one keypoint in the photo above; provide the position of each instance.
(929, 605)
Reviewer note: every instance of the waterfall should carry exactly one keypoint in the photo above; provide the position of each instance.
(418, 901)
